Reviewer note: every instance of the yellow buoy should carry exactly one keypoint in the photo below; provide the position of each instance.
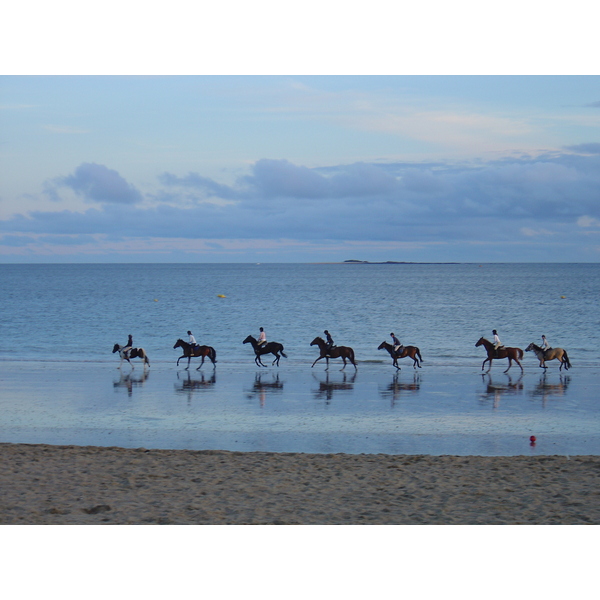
(563, 296)
(155, 300)
(221, 296)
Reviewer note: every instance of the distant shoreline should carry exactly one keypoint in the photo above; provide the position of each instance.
(386, 262)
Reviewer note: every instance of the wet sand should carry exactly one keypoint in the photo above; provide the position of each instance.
(43, 484)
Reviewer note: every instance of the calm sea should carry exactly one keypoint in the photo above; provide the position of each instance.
(78, 312)
(59, 381)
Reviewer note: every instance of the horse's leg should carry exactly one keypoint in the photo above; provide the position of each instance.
(483, 363)
(318, 359)
(344, 359)
(510, 363)
(327, 361)
(201, 363)
(277, 357)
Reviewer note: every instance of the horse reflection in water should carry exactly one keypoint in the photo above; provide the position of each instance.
(396, 388)
(328, 388)
(545, 390)
(200, 382)
(261, 388)
(130, 380)
(495, 391)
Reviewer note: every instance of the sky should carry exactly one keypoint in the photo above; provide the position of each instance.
(100, 166)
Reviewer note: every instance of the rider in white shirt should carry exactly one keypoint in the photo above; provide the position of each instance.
(262, 337)
(497, 342)
(193, 341)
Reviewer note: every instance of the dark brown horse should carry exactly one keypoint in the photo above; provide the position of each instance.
(195, 352)
(274, 348)
(550, 354)
(410, 351)
(131, 353)
(343, 352)
(515, 354)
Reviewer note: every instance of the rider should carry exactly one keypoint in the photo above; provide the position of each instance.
(396, 342)
(545, 344)
(127, 349)
(329, 345)
(262, 337)
(193, 341)
(497, 342)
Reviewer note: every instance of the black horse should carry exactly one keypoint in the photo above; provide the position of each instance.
(196, 351)
(269, 348)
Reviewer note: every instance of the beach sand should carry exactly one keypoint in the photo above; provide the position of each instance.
(43, 484)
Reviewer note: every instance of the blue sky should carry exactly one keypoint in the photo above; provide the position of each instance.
(299, 168)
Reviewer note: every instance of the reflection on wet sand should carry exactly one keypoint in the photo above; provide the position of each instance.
(327, 388)
(189, 386)
(130, 380)
(545, 390)
(394, 389)
(261, 387)
(495, 391)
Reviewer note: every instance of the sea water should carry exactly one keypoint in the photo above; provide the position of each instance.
(60, 383)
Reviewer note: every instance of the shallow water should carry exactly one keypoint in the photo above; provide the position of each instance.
(433, 411)
(60, 385)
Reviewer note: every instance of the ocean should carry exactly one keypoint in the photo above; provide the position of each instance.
(60, 383)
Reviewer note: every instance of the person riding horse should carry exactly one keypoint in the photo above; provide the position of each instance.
(497, 342)
(545, 345)
(193, 341)
(128, 346)
(396, 343)
(262, 337)
(329, 341)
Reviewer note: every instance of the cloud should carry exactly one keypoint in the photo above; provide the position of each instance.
(507, 200)
(593, 104)
(98, 183)
(590, 148)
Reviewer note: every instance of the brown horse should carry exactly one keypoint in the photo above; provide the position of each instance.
(410, 351)
(274, 348)
(343, 352)
(502, 352)
(550, 354)
(196, 351)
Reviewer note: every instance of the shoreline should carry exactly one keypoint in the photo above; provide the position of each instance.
(47, 484)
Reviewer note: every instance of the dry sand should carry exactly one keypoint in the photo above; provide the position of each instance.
(41, 484)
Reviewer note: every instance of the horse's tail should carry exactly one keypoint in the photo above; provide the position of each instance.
(351, 356)
(212, 354)
(566, 360)
(142, 354)
(520, 353)
(282, 352)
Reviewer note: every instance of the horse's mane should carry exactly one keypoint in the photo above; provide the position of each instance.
(320, 339)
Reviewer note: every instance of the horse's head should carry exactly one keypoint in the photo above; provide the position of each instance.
(178, 344)
(382, 345)
(248, 340)
(530, 347)
(116, 348)
(480, 341)
(317, 341)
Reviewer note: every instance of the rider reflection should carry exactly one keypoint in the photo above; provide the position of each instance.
(394, 389)
(545, 390)
(130, 380)
(495, 391)
(327, 388)
(190, 386)
(261, 388)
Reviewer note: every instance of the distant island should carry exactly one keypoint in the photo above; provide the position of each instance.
(396, 262)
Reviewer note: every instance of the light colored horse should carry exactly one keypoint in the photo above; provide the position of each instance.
(132, 353)
(550, 354)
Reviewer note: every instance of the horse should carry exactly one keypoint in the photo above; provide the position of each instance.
(410, 351)
(132, 353)
(189, 352)
(503, 352)
(343, 352)
(550, 354)
(274, 348)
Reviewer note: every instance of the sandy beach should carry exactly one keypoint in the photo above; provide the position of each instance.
(43, 484)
